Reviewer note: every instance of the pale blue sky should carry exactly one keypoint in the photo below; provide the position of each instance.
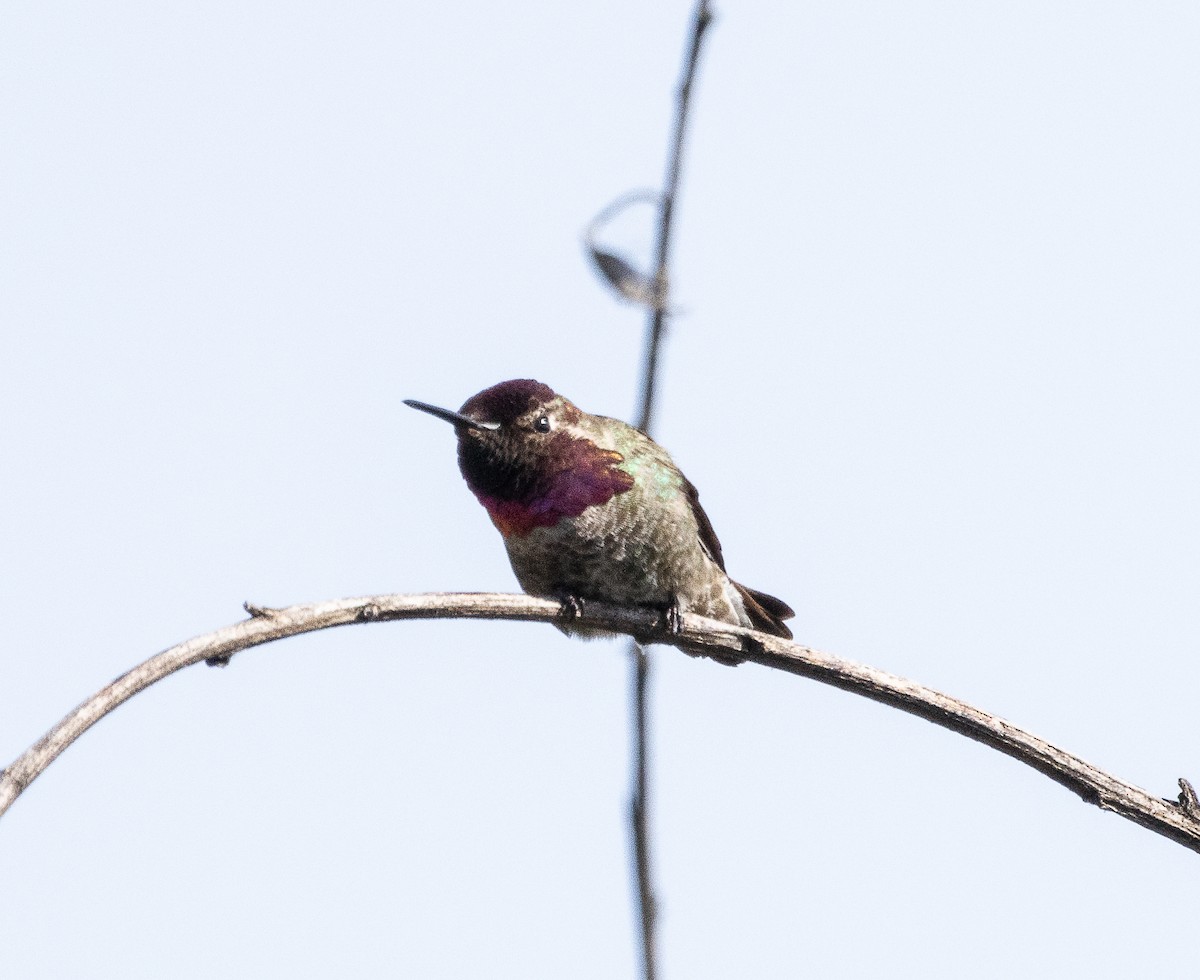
(936, 382)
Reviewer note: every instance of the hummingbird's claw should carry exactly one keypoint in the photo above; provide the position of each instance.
(674, 617)
(572, 606)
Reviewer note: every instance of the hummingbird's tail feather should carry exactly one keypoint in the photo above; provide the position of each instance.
(766, 612)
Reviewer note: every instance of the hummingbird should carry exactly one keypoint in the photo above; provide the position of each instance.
(591, 508)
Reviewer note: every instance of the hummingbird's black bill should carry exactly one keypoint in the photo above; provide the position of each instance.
(454, 418)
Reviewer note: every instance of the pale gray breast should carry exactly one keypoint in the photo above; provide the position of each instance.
(641, 548)
(640, 555)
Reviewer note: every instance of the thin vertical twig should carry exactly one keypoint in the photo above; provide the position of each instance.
(658, 315)
(644, 882)
(656, 326)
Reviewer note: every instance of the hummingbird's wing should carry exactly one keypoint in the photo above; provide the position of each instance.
(765, 611)
(708, 537)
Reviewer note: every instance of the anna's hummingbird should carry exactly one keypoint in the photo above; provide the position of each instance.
(591, 508)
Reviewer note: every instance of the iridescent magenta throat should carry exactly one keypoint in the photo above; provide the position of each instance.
(567, 493)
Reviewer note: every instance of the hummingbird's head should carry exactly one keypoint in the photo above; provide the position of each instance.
(529, 456)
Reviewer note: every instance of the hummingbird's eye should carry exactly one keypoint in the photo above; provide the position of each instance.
(542, 424)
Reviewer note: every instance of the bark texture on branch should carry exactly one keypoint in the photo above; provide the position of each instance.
(697, 636)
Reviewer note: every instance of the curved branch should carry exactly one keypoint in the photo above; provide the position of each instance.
(698, 636)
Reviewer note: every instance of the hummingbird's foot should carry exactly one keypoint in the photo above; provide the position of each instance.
(674, 617)
(572, 606)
